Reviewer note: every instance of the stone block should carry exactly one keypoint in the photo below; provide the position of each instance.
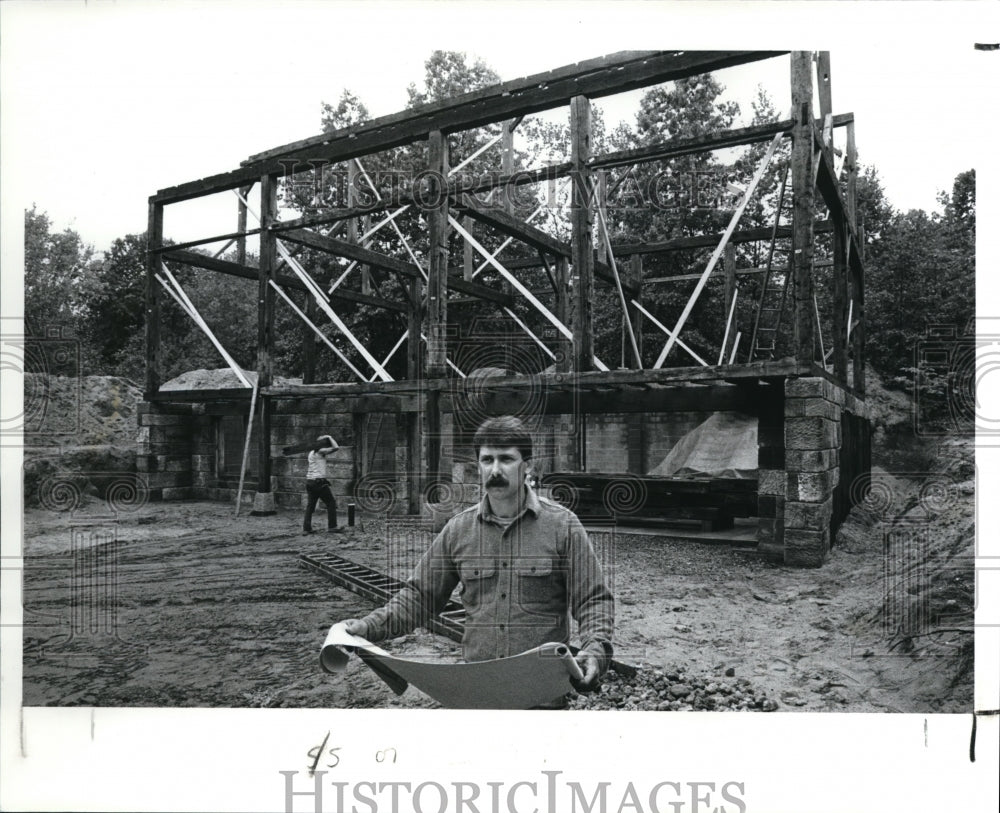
(805, 387)
(808, 515)
(806, 548)
(811, 433)
(811, 460)
(811, 407)
(176, 493)
(812, 486)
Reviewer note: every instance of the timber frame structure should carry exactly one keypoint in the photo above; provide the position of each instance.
(813, 429)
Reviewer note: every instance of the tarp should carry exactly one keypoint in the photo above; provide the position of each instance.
(723, 446)
(523, 681)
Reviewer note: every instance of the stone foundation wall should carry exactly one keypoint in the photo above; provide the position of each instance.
(814, 419)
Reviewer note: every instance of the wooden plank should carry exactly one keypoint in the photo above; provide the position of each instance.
(617, 73)
(154, 238)
(803, 211)
(582, 240)
(436, 327)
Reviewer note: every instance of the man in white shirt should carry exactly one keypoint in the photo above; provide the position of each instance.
(318, 487)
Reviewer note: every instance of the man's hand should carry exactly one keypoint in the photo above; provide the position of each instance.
(355, 626)
(591, 668)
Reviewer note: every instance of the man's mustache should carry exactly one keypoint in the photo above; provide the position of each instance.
(497, 480)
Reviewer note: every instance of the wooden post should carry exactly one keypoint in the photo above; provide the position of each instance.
(437, 283)
(414, 420)
(633, 275)
(352, 234)
(841, 296)
(564, 311)
(858, 334)
(154, 239)
(803, 192)
(729, 292)
(582, 247)
(309, 343)
(823, 86)
(265, 335)
(241, 226)
(851, 159)
(507, 168)
(437, 296)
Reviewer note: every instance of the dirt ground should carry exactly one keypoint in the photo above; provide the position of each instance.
(181, 604)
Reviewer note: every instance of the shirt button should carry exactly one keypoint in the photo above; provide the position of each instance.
(505, 564)
(503, 595)
(501, 626)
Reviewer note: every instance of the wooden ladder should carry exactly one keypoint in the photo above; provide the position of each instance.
(773, 292)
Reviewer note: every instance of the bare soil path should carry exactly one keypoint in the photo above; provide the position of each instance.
(181, 604)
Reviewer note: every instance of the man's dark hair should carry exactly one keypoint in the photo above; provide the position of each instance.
(503, 431)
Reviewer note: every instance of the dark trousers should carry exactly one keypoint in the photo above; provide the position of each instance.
(319, 490)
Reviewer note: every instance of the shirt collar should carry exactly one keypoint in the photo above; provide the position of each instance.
(531, 504)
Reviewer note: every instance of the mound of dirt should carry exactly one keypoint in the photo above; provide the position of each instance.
(86, 411)
(925, 527)
(63, 482)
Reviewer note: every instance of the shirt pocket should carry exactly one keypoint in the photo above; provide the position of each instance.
(539, 589)
(478, 582)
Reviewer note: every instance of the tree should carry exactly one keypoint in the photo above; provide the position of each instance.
(115, 310)
(56, 279)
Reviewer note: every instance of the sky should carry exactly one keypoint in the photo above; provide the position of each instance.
(104, 103)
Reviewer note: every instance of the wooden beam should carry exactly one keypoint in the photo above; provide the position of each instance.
(689, 146)
(625, 400)
(603, 76)
(284, 280)
(709, 240)
(508, 224)
(218, 238)
(803, 211)
(595, 78)
(342, 248)
(154, 238)
(582, 240)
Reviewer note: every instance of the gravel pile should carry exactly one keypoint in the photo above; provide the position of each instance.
(674, 689)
